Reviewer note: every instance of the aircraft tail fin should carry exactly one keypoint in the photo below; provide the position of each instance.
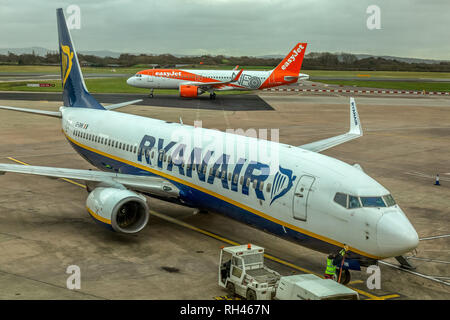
(292, 63)
(75, 93)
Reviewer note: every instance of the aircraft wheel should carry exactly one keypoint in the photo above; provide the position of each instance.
(345, 276)
(230, 288)
(251, 294)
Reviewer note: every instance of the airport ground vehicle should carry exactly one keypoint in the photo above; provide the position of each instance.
(312, 287)
(242, 272)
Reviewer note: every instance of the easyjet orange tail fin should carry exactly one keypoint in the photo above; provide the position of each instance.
(292, 63)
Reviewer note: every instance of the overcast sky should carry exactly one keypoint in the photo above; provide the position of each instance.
(413, 28)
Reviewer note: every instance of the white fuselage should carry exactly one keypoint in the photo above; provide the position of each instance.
(288, 192)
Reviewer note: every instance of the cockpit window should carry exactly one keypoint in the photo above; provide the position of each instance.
(372, 202)
(353, 202)
(341, 199)
(138, 75)
(389, 200)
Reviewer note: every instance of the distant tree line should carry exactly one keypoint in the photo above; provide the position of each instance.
(312, 61)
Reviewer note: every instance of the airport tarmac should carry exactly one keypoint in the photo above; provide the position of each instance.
(233, 102)
(44, 226)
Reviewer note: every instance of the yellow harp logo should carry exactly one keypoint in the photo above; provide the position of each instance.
(66, 62)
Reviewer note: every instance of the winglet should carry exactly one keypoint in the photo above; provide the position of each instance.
(355, 123)
(237, 76)
(236, 68)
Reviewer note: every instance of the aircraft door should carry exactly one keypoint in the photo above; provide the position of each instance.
(300, 205)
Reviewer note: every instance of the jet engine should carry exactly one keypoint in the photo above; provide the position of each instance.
(121, 210)
(188, 91)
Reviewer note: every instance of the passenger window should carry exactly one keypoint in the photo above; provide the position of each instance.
(268, 187)
(341, 198)
(247, 183)
(261, 186)
(255, 183)
(241, 181)
(134, 150)
(353, 202)
(204, 169)
(235, 178)
(229, 176)
(224, 174)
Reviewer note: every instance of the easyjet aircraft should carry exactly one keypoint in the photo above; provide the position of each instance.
(192, 83)
(293, 192)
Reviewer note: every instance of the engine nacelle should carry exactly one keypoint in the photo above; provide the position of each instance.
(121, 210)
(188, 91)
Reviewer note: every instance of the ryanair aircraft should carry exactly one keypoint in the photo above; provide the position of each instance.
(293, 192)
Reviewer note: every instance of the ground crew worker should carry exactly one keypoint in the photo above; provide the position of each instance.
(333, 261)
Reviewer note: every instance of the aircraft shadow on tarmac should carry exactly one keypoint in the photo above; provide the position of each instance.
(235, 102)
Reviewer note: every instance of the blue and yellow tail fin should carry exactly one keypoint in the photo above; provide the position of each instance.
(75, 93)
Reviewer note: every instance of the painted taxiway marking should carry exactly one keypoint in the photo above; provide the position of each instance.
(217, 237)
(425, 175)
(435, 237)
(67, 180)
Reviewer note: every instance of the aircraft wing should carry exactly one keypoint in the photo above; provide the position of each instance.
(354, 132)
(55, 114)
(208, 85)
(153, 185)
(122, 104)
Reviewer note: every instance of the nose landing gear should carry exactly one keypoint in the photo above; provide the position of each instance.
(212, 96)
(151, 93)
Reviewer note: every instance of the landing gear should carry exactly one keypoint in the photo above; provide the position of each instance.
(151, 94)
(212, 96)
(345, 276)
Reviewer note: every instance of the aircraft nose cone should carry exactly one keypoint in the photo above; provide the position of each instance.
(395, 234)
(130, 81)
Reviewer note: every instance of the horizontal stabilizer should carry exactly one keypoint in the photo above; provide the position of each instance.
(55, 114)
(122, 104)
(354, 132)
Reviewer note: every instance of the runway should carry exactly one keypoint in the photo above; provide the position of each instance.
(44, 226)
(234, 102)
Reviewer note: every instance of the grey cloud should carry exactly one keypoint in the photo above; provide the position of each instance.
(231, 27)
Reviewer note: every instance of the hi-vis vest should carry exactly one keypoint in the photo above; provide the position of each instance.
(331, 268)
